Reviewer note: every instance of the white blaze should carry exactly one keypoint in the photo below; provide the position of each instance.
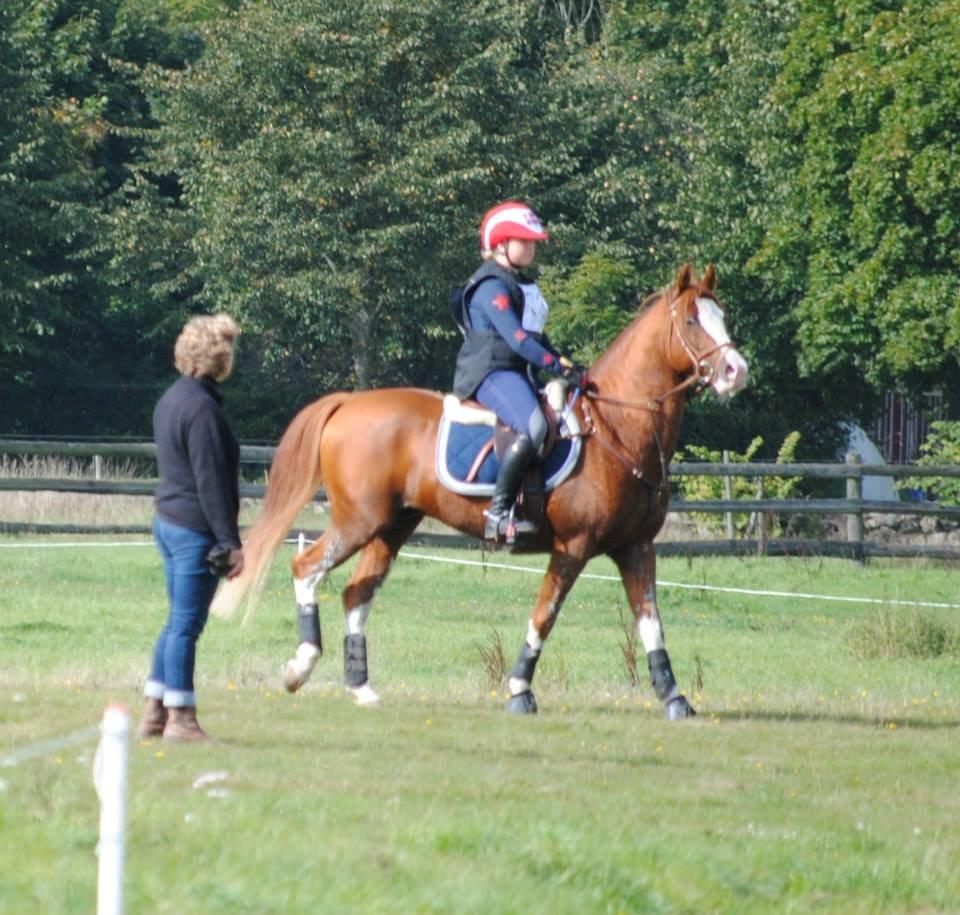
(731, 375)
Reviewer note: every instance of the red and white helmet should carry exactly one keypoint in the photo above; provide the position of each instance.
(510, 220)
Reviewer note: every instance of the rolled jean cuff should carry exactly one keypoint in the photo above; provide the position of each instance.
(153, 689)
(179, 698)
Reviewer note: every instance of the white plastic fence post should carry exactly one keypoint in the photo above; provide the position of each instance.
(110, 780)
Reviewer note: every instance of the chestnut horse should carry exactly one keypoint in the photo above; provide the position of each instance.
(374, 452)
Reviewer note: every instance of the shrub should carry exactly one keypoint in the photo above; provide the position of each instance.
(710, 488)
(941, 447)
(892, 633)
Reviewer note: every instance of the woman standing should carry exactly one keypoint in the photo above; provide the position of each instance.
(197, 505)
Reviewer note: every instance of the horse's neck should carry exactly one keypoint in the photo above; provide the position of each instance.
(635, 370)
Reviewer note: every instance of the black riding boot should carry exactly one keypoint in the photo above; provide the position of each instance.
(514, 466)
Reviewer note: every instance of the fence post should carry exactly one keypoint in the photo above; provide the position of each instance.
(761, 521)
(728, 495)
(98, 466)
(855, 519)
(110, 779)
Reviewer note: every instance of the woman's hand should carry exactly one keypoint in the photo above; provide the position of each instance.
(236, 563)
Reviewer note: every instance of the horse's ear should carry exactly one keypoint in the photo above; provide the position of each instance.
(683, 277)
(710, 279)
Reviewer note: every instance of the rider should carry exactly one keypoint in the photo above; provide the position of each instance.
(504, 314)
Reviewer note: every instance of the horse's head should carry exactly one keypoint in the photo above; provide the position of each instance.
(699, 341)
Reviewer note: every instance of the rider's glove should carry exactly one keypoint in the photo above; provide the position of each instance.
(576, 375)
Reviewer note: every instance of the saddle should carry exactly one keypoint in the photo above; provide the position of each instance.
(471, 440)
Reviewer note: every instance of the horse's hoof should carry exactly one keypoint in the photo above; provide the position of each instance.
(291, 679)
(297, 670)
(679, 708)
(522, 704)
(365, 695)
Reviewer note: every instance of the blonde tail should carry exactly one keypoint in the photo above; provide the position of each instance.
(294, 477)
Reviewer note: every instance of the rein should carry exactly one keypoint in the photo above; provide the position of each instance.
(701, 374)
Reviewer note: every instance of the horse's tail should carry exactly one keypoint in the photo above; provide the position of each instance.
(294, 477)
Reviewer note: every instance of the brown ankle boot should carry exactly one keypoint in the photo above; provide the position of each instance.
(182, 725)
(153, 721)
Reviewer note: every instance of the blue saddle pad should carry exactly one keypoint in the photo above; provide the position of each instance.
(463, 445)
(460, 443)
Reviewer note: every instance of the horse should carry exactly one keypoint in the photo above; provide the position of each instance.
(374, 453)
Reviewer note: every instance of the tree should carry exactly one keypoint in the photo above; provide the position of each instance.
(327, 166)
(869, 230)
(711, 66)
(69, 361)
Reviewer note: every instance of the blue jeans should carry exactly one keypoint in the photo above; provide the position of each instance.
(190, 590)
(510, 395)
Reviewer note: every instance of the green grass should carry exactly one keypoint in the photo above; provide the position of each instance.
(818, 777)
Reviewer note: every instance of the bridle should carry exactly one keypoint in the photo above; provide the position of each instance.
(703, 370)
(705, 366)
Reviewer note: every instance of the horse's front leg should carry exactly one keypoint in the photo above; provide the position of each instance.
(638, 569)
(561, 574)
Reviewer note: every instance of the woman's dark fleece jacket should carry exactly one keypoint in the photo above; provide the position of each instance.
(198, 459)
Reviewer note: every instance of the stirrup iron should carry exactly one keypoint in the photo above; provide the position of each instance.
(506, 527)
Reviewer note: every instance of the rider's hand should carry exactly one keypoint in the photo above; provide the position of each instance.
(565, 363)
(576, 375)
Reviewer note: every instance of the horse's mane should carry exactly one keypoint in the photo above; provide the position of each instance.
(649, 301)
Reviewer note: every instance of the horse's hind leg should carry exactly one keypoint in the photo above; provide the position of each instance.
(561, 574)
(310, 569)
(638, 569)
(371, 571)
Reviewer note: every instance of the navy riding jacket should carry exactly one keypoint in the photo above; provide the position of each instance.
(494, 334)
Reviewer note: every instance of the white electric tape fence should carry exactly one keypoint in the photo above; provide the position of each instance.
(661, 583)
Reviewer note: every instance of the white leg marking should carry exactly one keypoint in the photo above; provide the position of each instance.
(518, 685)
(355, 620)
(365, 695)
(533, 637)
(306, 587)
(651, 632)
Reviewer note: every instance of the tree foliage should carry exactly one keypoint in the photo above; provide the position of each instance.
(331, 165)
(69, 361)
(319, 171)
(870, 234)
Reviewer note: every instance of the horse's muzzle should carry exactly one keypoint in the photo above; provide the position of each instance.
(730, 373)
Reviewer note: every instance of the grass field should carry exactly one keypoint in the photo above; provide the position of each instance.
(820, 776)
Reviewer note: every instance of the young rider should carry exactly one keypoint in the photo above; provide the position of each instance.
(504, 316)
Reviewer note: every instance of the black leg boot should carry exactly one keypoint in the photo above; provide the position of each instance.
(514, 466)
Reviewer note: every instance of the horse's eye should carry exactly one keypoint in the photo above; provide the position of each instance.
(691, 320)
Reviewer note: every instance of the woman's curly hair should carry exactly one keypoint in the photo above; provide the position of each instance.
(204, 348)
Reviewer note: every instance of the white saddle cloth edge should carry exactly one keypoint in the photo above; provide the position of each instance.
(458, 412)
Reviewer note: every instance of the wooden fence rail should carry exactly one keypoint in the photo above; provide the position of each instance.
(854, 506)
